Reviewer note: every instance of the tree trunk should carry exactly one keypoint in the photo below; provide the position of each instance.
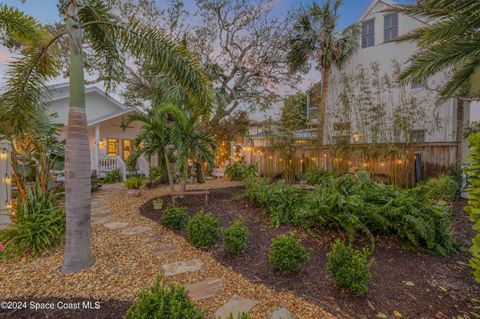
(322, 107)
(17, 176)
(460, 131)
(199, 172)
(78, 254)
(183, 183)
(169, 171)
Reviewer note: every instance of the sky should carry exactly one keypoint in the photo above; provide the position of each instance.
(46, 12)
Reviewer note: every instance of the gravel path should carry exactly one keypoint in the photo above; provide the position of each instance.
(126, 264)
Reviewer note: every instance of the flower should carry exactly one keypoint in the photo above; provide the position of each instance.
(2, 248)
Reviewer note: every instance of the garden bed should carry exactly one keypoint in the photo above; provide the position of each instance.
(415, 284)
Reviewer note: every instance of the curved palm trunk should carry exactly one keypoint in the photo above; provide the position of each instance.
(169, 171)
(78, 254)
(322, 107)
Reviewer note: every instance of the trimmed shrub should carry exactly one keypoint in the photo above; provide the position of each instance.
(349, 267)
(133, 183)
(235, 237)
(287, 253)
(164, 301)
(203, 229)
(318, 176)
(174, 217)
(239, 172)
(114, 176)
(40, 224)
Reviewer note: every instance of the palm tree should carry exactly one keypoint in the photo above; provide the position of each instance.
(85, 21)
(451, 41)
(315, 37)
(191, 142)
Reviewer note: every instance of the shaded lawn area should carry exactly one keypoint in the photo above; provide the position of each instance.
(416, 284)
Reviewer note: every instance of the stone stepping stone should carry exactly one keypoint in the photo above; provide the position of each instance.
(135, 230)
(98, 221)
(282, 313)
(166, 249)
(154, 238)
(182, 267)
(116, 225)
(205, 289)
(235, 306)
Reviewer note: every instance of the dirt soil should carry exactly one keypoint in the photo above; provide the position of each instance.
(404, 283)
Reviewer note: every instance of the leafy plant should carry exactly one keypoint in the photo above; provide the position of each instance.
(114, 176)
(442, 188)
(40, 224)
(203, 229)
(133, 183)
(158, 202)
(287, 254)
(235, 237)
(319, 176)
(164, 301)
(349, 267)
(174, 217)
(473, 172)
(239, 172)
(95, 182)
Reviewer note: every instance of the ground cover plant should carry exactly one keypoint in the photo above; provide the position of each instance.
(358, 204)
(349, 267)
(164, 301)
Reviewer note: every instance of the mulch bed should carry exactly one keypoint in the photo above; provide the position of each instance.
(414, 284)
(81, 308)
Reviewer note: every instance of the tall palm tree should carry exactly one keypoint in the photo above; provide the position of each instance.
(315, 37)
(451, 41)
(111, 39)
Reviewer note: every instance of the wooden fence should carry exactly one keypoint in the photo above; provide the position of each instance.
(5, 185)
(391, 163)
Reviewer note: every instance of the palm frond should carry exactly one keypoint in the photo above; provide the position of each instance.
(18, 27)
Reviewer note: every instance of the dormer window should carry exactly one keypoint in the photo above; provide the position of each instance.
(390, 32)
(368, 34)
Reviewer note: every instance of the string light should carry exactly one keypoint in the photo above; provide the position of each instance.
(399, 161)
(7, 180)
(382, 164)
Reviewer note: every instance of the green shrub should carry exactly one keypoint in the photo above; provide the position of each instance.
(165, 302)
(114, 176)
(318, 176)
(95, 184)
(203, 230)
(443, 188)
(235, 237)
(40, 224)
(239, 172)
(349, 267)
(157, 175)
(133, 183)
(174, 217)
(473, 172)
(287, 253)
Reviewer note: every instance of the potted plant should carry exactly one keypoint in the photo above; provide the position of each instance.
(133, 185)
(157, 203)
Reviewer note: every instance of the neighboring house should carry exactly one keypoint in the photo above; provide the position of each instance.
(365, 104)
(110, 144)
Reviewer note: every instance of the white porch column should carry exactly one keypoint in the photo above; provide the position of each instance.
(5, 185)
(97, 147)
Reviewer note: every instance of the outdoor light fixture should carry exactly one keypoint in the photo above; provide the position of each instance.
(7, 180)
(3, 154)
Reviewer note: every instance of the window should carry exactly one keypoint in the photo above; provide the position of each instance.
(418, 85)
(390, 32)
(418, 136)
(127, 149)
(112, 147)
(368, 34)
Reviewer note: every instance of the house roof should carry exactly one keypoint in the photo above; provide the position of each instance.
(389, 3)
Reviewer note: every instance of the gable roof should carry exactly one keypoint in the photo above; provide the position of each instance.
(389, 3)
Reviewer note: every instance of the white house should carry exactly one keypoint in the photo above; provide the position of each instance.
(110, 145)
(365, 103)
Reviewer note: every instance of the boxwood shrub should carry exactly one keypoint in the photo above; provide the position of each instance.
(287, 253)
(203, 229)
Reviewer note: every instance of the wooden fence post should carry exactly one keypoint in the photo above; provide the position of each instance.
(5, 185)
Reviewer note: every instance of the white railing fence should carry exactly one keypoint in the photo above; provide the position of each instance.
(110, 163)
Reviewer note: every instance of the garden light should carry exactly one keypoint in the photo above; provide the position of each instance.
(3, 155)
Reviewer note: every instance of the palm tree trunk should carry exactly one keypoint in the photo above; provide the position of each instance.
(183, 184)
(78, 254)
(322, 107)
(19, 182)
(460, 131)
(169, 171)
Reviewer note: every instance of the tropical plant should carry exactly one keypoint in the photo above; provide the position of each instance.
(473, 172)
(316, 37)
(39, 224)
(134, 182)
(174, 217)
(349, 267)
(318, 176)
(439, 189)
(237, 171)
(85, 21)
(114, 176)
(164, 301)
(235, 237)
(203, 229)
(287, 253)
(450, 41)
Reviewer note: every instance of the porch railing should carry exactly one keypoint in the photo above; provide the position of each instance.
(110, 163)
